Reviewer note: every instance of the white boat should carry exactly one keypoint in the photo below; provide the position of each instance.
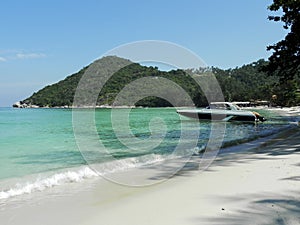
(222, 111)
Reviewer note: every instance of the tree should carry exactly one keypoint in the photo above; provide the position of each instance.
(285, 60)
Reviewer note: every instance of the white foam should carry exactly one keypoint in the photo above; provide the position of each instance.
(54, 180)
(130, 163)
(84, 173)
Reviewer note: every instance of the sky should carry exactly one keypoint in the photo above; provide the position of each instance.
(42, 42)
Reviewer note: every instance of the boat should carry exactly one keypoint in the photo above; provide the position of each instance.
(222, 111)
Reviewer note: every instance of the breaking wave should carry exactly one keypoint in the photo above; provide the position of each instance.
(52, 181)
(81, 174)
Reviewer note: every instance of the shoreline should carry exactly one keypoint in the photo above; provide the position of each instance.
(230, 147)
(261, 174)
(31, 183)
(253, 186)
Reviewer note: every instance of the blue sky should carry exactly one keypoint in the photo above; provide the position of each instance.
(42, 42)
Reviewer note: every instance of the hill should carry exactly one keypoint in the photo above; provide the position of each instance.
(62, 93)
(246, 83)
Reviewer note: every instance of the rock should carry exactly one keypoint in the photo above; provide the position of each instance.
(24, 105)
(17, 105)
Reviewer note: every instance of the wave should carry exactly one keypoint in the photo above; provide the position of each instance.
(54, 180)
(82, 174)
(130, 163)
(102, 169)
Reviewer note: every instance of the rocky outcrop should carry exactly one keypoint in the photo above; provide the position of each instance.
(24, 105)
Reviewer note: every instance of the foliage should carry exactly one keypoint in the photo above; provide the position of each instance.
(59, 94)
(285, 60)
(246, 83)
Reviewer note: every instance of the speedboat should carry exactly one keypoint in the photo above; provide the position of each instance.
(222, 111)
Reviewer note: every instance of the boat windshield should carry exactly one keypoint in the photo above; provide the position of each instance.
(223, 106)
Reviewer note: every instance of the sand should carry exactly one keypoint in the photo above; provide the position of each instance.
(258, 185)
(258, 188)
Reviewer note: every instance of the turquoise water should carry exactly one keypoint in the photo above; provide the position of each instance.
(34, 141)
(38, 141)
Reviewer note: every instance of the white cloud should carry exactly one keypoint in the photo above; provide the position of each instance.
(9, 55)
(30, 55)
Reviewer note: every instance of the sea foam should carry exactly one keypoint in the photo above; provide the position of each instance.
(81, 174)
(54, 180)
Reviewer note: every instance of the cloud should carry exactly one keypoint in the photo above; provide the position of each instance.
(11, 55)
(2, 59)
(30, 55)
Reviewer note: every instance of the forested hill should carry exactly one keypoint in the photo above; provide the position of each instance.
(240, 84)
(62, 93)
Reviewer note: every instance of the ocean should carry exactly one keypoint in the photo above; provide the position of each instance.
(39, 151)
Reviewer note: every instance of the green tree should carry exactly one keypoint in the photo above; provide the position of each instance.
(285, 60)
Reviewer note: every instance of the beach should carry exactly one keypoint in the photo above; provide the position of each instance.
(254, 183)
(160, 113)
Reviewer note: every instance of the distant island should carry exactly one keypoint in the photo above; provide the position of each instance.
(246, 83)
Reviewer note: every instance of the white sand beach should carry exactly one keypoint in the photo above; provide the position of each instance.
(258, 185)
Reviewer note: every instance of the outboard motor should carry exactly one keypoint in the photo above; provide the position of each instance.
(259, 117)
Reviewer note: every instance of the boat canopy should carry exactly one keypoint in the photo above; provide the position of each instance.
(223, 106)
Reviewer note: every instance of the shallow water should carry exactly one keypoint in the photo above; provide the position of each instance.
(39, 143)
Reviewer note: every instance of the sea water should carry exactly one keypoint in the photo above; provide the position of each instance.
(38, 149)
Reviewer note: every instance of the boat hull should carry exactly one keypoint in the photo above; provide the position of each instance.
(219, 116)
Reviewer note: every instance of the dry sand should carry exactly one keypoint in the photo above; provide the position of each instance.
(257, 187)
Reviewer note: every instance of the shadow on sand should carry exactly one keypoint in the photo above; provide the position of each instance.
(268, 208)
